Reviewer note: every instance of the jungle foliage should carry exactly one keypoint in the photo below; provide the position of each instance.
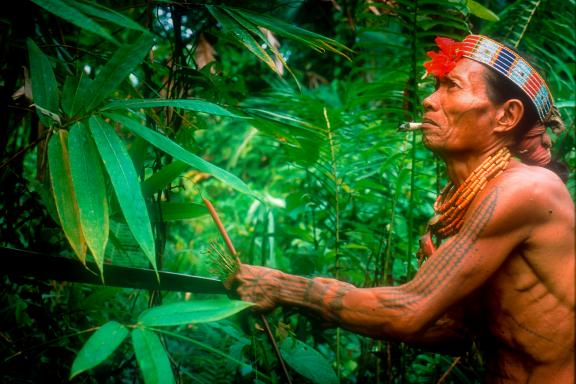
(120, 118)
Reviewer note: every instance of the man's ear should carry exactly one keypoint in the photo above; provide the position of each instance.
(509, 115)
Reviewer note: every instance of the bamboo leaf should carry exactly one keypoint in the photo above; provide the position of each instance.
(63, 191)
(190, 312)
(187, 104)
(74, 16)
(173, 149)
(44, 85)
(101, 12)
(163, 177)
(90, 187)
(116, 70)
(99, 347)
(481, 11)
(74, 87)
(152, 357)
(182, 211)
(307, 361)
(125, 183)
(231, 26)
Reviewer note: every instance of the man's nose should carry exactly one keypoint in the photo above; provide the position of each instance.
(428, 102)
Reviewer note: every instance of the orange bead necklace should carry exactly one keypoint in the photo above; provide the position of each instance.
(452, 203)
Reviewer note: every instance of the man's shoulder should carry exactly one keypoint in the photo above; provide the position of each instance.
(531, 181)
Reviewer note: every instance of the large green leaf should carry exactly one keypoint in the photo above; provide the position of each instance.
(188, 312)
(152, 357)
(98, 347)
(307, 361)
(481, 11)
(70, 13)
(63, 191)
(44, 85)
(101, 12)
(90, 188)
(125, 183)
(188, 104)
(173, 149)
(116, 70)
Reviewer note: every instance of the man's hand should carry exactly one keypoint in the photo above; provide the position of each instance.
(258, 285)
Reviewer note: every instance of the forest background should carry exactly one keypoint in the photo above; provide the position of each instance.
(118, 118)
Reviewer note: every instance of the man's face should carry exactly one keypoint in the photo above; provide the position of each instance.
(458, 116)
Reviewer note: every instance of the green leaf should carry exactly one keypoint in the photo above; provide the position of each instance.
(231, 26)
(63, 191)
(99, 347)
(481, 11)
(159, 180)
(182, 211)
(74, 86)
(188, 104)
(152, 357)
(68, 12)
(101, 12)
(125, 183)
(165, 144)
(307, 361)
(190, 312)
(90, 187)
(116, 70)
(44, 85)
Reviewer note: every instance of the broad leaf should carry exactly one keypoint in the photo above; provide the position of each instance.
(152, 357)
(481, 11)
(307, 361)
(188, 104)
(125, 183)
(63, 191)
(116, 70)
(99, 347)
(101, 12)
(188, 312)
(70, 13)
(44, 85)
(173, 149)
(90, 187)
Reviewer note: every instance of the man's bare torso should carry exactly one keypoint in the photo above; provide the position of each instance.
(529, 301)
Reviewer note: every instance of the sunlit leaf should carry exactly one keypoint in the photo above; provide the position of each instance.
(307, 361)
(90, 187)
(116, 70)
(63, 191)
(74, 86)
(481, 11)
(68, 12)
(124, 180)
(44, 85)
(173, 149)
(99, 347)
(188, 312)
(152, 357)
(187, 104)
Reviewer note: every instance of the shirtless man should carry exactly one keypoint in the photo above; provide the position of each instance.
(500, 250)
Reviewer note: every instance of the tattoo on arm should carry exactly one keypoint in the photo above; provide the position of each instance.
(443, 265)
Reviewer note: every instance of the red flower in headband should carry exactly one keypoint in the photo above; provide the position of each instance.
(445, 60)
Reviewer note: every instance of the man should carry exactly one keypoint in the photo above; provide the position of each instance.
(499, 255)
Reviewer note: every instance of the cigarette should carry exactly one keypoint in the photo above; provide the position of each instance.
(409, 126)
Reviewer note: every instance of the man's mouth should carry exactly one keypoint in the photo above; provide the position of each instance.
(427, 121)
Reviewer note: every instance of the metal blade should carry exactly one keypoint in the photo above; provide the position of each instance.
(44, 266)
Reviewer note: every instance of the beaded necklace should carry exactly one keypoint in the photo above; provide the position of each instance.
(452, 203)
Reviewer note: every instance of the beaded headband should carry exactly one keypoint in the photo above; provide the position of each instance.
(498, 57)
